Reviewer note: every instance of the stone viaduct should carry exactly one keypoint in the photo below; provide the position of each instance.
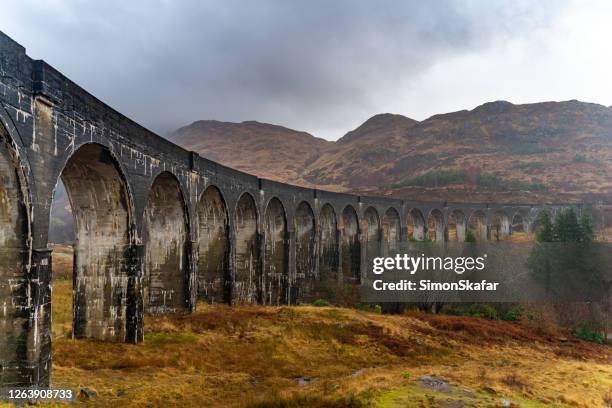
(158, 227)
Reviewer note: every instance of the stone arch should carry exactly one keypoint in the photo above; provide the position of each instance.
(415, 225)
(500, 226)
(391, 231)
(103, 225)
(537, 218)
(166, 235)
(457, 226)
(214, 279)
(519, 226)
(275, 279)
(370, 228)
(328, 247)
(305, 250)
(520, 223)
(435, 226)
(247, 268)
(15, 247)
(477, 225)
(351, 247)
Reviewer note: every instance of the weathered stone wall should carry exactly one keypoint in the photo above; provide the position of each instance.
(157, 226)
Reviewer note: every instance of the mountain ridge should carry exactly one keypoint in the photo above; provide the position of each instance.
(536, 152)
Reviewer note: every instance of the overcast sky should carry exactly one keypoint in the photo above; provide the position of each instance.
(319, 66)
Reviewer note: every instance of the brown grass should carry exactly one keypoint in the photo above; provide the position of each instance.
(254, 356)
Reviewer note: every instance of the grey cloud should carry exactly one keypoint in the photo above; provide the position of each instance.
(319, 66)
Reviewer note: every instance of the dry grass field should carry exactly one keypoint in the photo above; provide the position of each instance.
(308, 356)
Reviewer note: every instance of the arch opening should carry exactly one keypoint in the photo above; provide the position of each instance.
(99, 202)
(500, 226)
(435, 226)
(391, 231)
(276, 285)
(14, 230)
(214, 280)
(246, 279)
(166, 237)
(305, 252)
(328, 251)
(477, 227)
(520, 228)
(456, 226)
(415, 225)
(351, 247)
(370, 227)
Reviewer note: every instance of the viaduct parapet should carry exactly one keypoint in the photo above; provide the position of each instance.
(158, 227)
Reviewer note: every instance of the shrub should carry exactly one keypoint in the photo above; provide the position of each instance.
(513, 314)
(474, 310)
(589, 335)
(484, 311)
(321, 303)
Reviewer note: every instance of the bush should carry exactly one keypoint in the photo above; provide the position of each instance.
(484, 311)
(369, 307)
(470, 236)
(474, 310)
(513, 314)
(589, 335)
(321, 303)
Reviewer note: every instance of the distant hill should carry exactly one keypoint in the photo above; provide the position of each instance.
(541, 152)
(269, 151)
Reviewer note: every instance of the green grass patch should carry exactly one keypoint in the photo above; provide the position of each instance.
(528, 149)
(580, 158)
(436, 178)
(321, 303)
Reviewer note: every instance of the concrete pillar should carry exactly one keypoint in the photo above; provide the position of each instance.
(291, 287)
(35, 368)
(135, 294)
(191, 270)
(403, 233)
(339, 272)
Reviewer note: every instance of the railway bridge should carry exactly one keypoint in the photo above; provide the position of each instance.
(158, 227)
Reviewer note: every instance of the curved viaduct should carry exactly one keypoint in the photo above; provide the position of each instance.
(158, 227)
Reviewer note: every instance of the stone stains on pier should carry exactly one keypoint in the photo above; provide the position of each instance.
(166, 240)
(214, 280)
(103, 218)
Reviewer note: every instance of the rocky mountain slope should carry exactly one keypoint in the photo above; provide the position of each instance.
(541, 152)
(270, 151)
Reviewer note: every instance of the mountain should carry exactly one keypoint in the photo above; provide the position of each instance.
(499, 151)
(269, 151)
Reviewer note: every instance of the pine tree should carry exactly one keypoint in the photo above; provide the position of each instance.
(547, 231)
(586, 228)
(566, 227)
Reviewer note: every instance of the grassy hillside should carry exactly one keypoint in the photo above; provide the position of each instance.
(309, 356)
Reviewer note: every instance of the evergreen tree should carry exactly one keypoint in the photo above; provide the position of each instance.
(566, 227)
(586, 227)
(547, 231)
